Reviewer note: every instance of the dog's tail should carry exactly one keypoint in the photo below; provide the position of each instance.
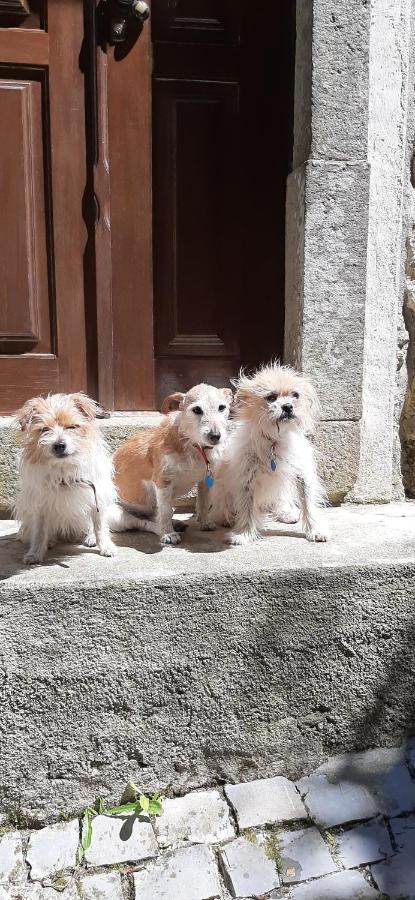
(145, 510)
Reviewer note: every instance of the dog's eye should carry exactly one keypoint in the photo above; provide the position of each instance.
(44, 429)
(198, 411)
(222, 407)
(71, 427)
(296, 395)
(271, 398)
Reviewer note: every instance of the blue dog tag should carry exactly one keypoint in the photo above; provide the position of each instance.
(209, 481)
(273, 465)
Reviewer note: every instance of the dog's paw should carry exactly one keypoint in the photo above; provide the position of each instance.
(31, 559)
(288, 517)
(317, 537)
(171, 537)
(90, 541)
(108, 549)
(240, 539)
(206, 526)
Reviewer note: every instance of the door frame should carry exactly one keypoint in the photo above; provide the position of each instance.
(121, 87)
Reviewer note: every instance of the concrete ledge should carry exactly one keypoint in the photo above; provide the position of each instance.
(191, 664)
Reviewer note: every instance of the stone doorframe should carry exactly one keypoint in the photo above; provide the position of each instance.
(348, 212)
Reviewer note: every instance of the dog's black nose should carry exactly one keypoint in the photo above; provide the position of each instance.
(214, 437)
(59, 448)
(287, 408)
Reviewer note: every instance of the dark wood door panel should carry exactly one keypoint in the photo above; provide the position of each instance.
(27, 13)
(204, 21)
(222, 137)
(24, 290)
(195, 179)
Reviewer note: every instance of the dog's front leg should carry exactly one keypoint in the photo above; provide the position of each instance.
(165, 509)
(204, 506)
(245, 529)
(308, 490)
(102, 533)
(38, 542)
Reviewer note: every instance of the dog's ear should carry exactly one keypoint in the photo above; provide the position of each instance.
(172, 403)
(86, 406)
(25, 415)
(228, 394)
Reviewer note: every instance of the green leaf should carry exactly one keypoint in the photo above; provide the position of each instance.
(155, 808)
(99, 806)
(144, 802)
(130, 793)
(86, 835)
(125, 810)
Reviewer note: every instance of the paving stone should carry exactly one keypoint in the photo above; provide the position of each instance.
(4, 895)
(304, 854)
(342, 886)
(383, 773)
(396, 876)
(53, 849)
(248, 869)
(331, 804)
(364, 844)
(401, 829)
(119, 840)
(265, 802)
(201, 818)
(37, 892)
(12, 867)
(186, 874)
(105, 886)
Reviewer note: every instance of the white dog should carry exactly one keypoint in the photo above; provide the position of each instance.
(269, 465)
(65, 486)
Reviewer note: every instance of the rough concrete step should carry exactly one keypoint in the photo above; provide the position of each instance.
(188, 664)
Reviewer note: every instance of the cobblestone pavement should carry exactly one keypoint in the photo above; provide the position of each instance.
(345, 832)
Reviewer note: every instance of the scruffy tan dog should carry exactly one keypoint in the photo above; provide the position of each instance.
(269, 463)
(65, 485)
(155, 467)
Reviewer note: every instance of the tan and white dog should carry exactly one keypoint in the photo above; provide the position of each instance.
(65, 485)
(269, 468)
(155, 467)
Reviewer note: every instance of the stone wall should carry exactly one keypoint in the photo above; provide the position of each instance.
(344, 234)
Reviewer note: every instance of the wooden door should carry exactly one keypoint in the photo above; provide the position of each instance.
(222, 137)
(42, 181)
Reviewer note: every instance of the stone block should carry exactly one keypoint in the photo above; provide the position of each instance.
(248, 868)
(304, 854)
(120, 839)
(101, 886)
(364, 844)
(201, 818)
(331, 804)
(383, 773)
(53, 849)
(349, 885)
(395, 877)
(12, 866)
(265, 802)
(189, 873)
(401, 828)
